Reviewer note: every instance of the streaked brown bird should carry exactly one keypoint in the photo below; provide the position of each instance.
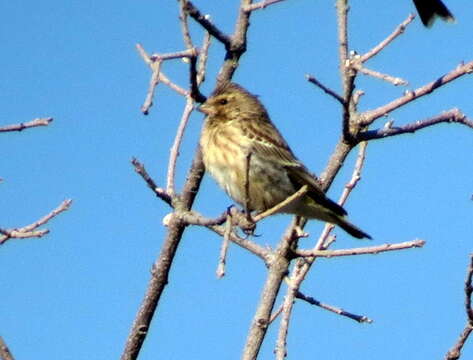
(429, 10)
(236, 125)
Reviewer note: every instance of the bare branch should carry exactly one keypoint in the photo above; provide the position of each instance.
(154, 62)
(396, 81)
(222, 259)
(30, 231)
(161, 193)
(347, 72)
(184, 54)
(334, 309)
(327, 90)
(455, 352)
(451, 116)
(184, 24)
(203, 20)
(247, 185)
(373, 250)
(356, 175)
(22, 126)
(203, 56)
(294, 197)
(398, 31)
(260, 5)
(5, 353)
(176, 146)
(153, 83)
(370, 116)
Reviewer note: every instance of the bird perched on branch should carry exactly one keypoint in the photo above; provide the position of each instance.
(429, 10)
(251, 161)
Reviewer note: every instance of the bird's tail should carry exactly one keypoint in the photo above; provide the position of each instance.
(350, 228)
(429, 10)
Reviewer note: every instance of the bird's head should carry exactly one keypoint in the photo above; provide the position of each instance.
(231, 101)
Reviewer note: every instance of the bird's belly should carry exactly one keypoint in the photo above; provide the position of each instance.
(268, 182)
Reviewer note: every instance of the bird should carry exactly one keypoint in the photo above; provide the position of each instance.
(248, 157)
(429, 10)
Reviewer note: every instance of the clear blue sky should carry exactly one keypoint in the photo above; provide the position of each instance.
(74, 293)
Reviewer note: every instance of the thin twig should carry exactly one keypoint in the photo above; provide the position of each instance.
(396, 81)
(207, 24)
(450, 116)
(289, 200)
(154, 63)
(276, 313)
(222, 259)
(383, 44)
(30, 231)
(203, 56)
(370, 116)
(334, 309)
(356, 175)
(159, 192)
(25, 125)
(327, 90)
(174, 152)
(184, 24)
(193, 74)
(153, 83)
(260, 5)
(455, 352)
(5, 353)
(347, 72)
(247, 185)
(373, 250)
(184, 54)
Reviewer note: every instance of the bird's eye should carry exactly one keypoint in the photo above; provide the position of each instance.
(223, 101)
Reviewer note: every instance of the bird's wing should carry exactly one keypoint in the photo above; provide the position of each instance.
(268, 143)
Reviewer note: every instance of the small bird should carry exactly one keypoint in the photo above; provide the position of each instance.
(429, 10)
(251, 161)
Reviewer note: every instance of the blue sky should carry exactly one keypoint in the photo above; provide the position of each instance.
(74, 293)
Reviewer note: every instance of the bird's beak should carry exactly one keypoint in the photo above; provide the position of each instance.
(204, 109)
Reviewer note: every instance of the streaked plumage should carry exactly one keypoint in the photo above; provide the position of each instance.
(236, 124)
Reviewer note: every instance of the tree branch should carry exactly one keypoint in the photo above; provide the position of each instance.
(334, 309)
(5, 353)
(30, 231)
(373, 250)
(455, 352)
(370, 116)
(451, 116)
(203, 20)
(22, 126)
